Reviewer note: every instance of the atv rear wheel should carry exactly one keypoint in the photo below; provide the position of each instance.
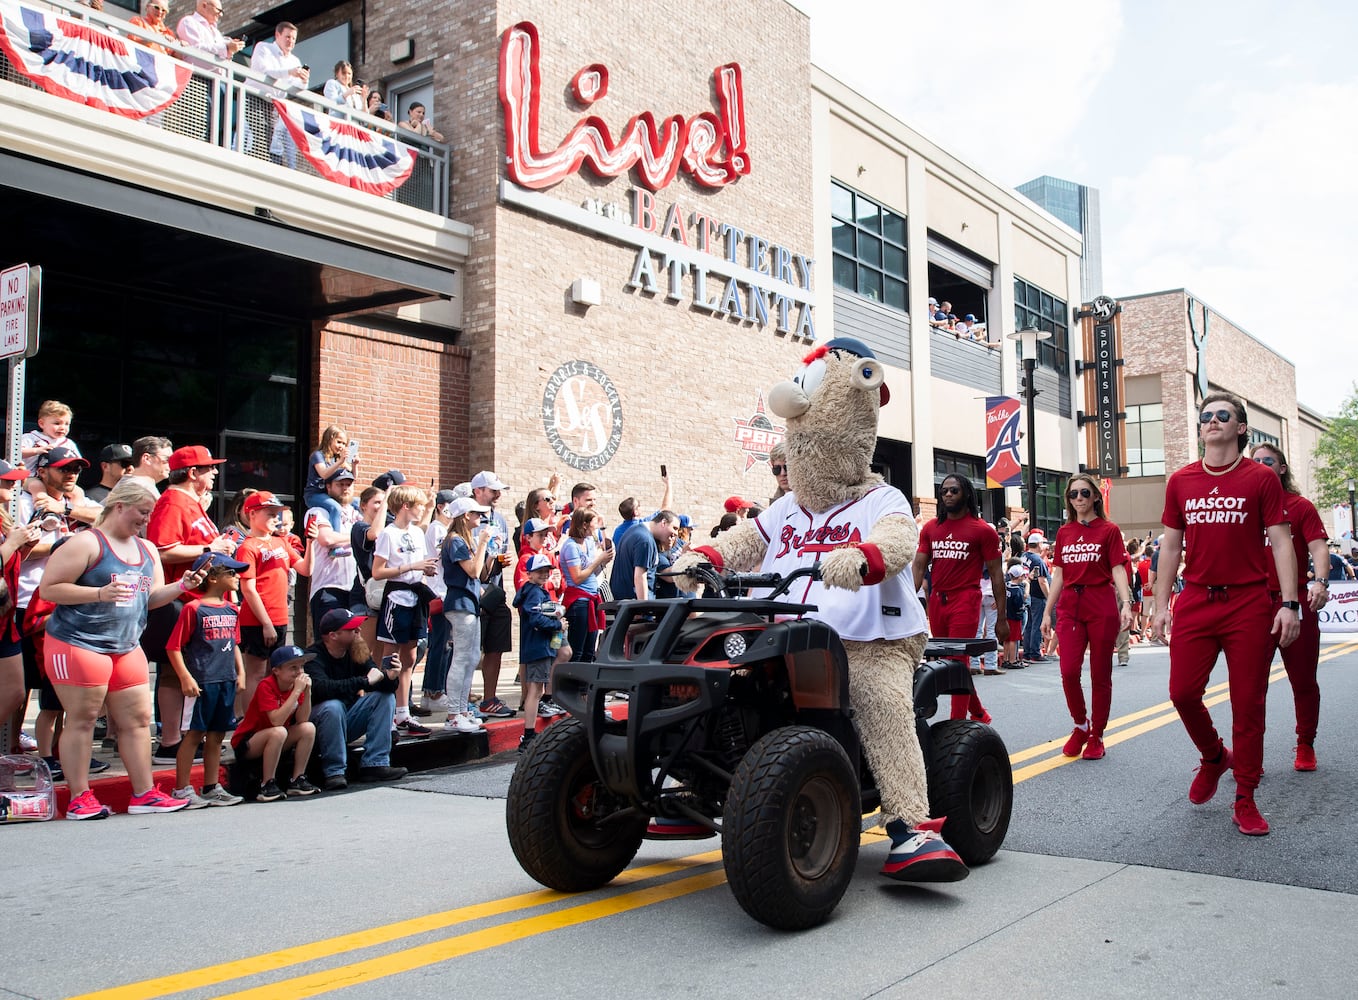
(972, 784)
(791, 828)
(558, 814)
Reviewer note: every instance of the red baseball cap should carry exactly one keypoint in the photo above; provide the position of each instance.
(260, 500)
(734, 504)
(192, 455)
(18, 473)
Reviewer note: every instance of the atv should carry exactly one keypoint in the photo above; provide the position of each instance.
(739, 723)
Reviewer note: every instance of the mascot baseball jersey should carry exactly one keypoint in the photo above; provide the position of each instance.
(796, 538)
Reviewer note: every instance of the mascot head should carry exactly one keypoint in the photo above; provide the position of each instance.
(831, 411)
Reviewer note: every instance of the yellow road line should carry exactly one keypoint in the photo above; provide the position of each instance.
(516, 930)
(465, 944)
(271, 961)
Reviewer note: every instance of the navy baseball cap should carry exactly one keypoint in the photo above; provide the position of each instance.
(209, 560)
(338, 619)
(285, 656)
(59, 458)
(335, 477)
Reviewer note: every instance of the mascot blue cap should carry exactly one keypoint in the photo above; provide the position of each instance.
(850, 345)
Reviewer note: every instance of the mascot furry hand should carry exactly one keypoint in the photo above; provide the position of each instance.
(863, 534)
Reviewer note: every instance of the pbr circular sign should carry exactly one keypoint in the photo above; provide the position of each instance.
(582, 415)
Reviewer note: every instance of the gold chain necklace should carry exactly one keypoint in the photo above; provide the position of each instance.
(1224, 471)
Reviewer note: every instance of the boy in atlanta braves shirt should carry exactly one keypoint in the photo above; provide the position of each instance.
(1218, 509)
(956, 549)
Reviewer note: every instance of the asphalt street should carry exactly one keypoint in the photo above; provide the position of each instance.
(1110, 885)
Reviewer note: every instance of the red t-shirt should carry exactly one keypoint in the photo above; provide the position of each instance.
(958, 550)
(268, 560)
(555, 581)
(1224, 519)
(1143, 570)
(267, 698)
(1086, 554)
(1306, 528)
(179, 519)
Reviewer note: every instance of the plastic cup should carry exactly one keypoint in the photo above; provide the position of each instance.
(129, 580)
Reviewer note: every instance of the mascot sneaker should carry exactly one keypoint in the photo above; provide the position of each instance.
(921, 854)
(662, 828)
(1205, 781)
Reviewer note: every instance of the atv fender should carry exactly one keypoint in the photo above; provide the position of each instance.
(817, 666)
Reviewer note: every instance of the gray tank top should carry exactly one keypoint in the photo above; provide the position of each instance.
(103, 626)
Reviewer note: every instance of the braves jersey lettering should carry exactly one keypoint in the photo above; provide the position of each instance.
(817, 541)
(798, 537)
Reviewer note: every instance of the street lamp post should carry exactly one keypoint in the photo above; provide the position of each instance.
(1028, 338)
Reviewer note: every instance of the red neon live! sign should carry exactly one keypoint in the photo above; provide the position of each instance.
(710, 146)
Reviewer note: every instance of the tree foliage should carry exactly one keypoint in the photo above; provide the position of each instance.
(1336, 454)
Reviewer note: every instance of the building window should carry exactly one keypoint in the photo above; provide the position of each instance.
(1145, 430)
(1043, 311)
(1263, 437)
(869, 247)
(1051, 502)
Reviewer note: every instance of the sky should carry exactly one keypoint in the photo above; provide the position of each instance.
(1223, 139)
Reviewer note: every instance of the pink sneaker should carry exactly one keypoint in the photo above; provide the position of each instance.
(86, 806)
(153, 800)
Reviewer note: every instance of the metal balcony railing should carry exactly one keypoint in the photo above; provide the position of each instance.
(230, 106)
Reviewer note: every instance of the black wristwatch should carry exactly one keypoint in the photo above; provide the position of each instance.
(1292, 605)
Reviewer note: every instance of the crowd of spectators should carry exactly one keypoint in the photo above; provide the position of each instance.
(964, 327)
(393, 577)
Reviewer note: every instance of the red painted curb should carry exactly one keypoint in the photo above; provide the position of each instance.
(114, 791)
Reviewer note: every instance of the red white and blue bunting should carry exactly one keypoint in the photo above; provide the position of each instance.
(85, 63)
(346, 153)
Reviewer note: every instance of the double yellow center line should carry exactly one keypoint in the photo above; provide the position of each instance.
(367, 970)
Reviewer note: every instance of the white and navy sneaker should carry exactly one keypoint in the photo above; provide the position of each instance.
(921, 854)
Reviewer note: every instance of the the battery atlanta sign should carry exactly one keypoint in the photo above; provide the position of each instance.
(709, 146)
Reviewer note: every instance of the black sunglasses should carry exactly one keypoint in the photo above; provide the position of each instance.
(778, 470)
(947, 490)
(1223, 416)
(1083, 494)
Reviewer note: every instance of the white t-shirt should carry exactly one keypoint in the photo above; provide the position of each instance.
(32, 567)
(797, 538)
(333, 566)
(399, 546)
(433, 539)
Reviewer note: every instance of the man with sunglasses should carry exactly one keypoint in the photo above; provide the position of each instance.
(1301, 658)
(1217, 511)
(955, 550)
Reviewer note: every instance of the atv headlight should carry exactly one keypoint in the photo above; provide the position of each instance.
(733, 645)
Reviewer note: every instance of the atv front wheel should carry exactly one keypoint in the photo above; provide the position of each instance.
(972, 784)
(559, 814)
(791, 828)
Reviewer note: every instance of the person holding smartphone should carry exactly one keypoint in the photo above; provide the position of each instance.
(335, 452)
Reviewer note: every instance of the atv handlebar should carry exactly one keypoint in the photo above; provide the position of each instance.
(729, 584)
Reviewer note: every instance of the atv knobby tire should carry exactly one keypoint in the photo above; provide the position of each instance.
(972, 784)
(791, 827)
(553, 814)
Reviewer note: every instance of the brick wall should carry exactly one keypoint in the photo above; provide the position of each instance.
(405, 398)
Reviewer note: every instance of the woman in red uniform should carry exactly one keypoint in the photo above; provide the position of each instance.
(1089, 563)
(1302, 657)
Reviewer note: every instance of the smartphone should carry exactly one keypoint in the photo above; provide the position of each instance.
(353, 449)
(306, 67)
(664, 473)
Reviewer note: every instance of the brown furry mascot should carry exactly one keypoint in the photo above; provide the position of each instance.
(863, 533)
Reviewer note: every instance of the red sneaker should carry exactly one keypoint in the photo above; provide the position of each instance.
(1205, 781)
(1306, 758)
(1247, 817)
(1093, 749)
(1076, 743)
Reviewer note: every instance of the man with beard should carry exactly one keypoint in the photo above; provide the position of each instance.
(955, 550)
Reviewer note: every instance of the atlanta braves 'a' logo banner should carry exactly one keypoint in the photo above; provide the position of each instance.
(1002, 465)
(346, 153)
(83, 62)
